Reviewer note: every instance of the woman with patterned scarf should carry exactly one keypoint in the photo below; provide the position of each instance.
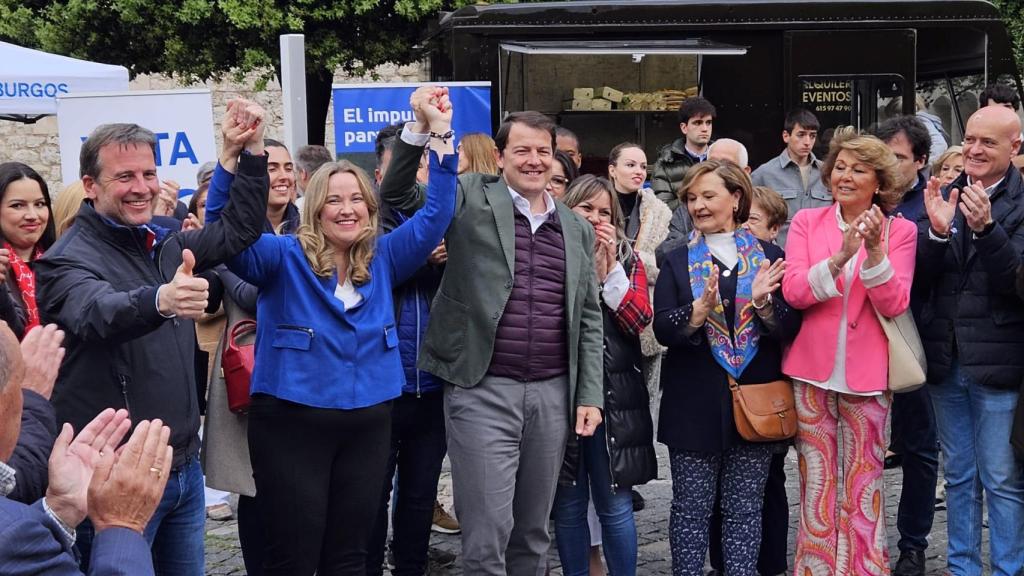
(719, 310)
(26, 230)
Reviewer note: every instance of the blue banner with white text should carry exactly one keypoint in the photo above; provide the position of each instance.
(361, 110)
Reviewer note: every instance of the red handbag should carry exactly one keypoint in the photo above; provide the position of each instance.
(236, 362)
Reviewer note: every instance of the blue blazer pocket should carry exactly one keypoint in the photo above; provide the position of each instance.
(390, 336)
(294, 337)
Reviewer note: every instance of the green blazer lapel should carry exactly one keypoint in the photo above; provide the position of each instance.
(502, 209)
(573, 255)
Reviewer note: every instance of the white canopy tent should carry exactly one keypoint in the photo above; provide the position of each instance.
(31, 80)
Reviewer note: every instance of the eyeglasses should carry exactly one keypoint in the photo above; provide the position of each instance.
(560, 180)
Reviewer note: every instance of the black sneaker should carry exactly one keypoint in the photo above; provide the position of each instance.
(911, 563)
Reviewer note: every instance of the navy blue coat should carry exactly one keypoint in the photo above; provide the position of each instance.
(31, 456)
(696, 404)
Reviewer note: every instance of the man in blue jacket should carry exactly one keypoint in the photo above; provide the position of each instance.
(968, 253)
(124, 290)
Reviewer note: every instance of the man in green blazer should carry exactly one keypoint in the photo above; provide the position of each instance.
(516, 331)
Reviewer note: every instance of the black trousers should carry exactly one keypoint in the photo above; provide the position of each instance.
(319, 474)
(251, 534)
(417, 451)
(915, 439)
(772, 558)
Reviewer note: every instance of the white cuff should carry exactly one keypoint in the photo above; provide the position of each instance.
(878, 274)
(823, 285)
(934, 238)
(412, 138)
(157, 302)
(616, 284)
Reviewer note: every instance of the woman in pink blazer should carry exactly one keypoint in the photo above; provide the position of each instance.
(839, 272)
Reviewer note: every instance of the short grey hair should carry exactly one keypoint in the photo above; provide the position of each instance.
(744, 158)
(121, 134)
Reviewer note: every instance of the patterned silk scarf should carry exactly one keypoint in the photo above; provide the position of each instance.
(732, 355)
(26, 280)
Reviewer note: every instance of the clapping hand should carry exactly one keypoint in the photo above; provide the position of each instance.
(73, 462)
(977, 208)
(41, 349)
(767, 280)
(708, 300)
(940, 211)
(605, 250)
(167, 199)
(128, 485)
(869, 226)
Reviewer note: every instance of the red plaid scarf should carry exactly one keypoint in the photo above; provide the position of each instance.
(26, 280)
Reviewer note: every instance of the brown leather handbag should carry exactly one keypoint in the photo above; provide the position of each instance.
(236, 362)
(764, 412)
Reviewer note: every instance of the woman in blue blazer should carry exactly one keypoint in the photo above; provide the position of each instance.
(327, 361)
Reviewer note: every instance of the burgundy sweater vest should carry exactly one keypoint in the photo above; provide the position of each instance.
(531, 340)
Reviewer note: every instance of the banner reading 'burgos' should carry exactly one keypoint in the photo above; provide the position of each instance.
(181, 119)
(361, 110)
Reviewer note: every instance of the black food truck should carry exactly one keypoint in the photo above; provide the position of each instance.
(613, 71)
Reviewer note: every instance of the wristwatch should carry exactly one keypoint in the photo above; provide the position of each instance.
(767, 302)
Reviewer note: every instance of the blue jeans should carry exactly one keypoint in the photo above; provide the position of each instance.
(614, 508)
(974, 424)
(177, 530)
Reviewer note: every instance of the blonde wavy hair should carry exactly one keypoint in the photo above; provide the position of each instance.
(478, 149)
(874, 153)
(66, 205)
(310, 234)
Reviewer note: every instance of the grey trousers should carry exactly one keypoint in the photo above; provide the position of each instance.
(506, 440)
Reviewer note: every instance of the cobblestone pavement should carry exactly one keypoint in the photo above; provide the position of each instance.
(223, 555)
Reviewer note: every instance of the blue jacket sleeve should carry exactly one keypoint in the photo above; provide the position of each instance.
(217, 193)
(31, 543)
(409, 245)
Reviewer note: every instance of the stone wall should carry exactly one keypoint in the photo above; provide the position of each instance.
(37, 144)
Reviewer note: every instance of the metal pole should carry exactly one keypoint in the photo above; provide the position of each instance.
(293, 88)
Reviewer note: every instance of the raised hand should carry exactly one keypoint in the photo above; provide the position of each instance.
(850, 246)
(73, 462)
(185, 295)
(708, 300)
(418, 101)
(234, 134)
(438, 110)
(42, 352)
(940, 211)
(977, 208)
(767, 280)
(167, 199)
(870, 225)
(250, 117)
(191, 222)
(128, 485)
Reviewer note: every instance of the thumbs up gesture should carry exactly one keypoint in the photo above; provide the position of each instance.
(185, 295)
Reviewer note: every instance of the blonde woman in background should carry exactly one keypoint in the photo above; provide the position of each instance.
(66, 206)
(477, 153)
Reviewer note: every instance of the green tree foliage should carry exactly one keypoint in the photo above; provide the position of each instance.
(197, 40)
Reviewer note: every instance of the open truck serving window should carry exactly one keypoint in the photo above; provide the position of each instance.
(613, 71)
